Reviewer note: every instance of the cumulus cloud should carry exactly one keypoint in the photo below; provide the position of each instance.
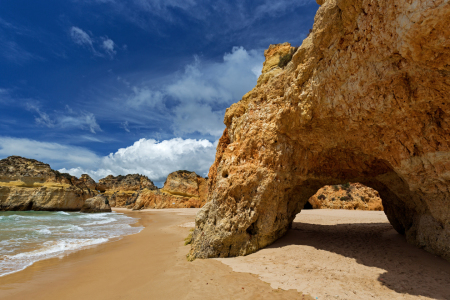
(68, 119)
(196, 99)
(81, 37)
(154, 159)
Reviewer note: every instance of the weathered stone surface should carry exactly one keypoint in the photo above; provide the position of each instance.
(364, 99)
(97, 204)
(182, 189)
(87, 181)
(27, 184)
(346, 196)
(122, 190)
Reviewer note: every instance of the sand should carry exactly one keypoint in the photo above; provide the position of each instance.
(329, 254)
(342, 254)
(147, 265)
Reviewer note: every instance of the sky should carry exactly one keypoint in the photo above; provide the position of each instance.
(132, 86)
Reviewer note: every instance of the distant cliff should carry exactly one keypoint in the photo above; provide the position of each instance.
(123, 190)
(181, 189)
(27, 184)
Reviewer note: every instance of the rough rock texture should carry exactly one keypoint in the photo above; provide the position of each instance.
(181, 189)
(346, 196)
(122, 190)
(364, 99)
(96, 204)
(27, 184)
(86, 181)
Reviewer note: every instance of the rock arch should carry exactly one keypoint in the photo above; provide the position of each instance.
(366, 98)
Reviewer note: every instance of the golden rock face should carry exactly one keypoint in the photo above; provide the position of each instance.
(27, 184)
(364, 99)
(353, 196)
(182, 189)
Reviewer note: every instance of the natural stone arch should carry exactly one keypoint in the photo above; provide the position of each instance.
(365, 99)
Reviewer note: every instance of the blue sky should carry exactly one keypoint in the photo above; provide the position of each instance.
(132, 86)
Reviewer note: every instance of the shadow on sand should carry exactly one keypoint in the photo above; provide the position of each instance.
(409, 269)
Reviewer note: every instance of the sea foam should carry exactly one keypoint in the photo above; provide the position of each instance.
(27, 237)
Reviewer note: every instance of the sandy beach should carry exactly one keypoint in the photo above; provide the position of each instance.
(328, 254)
(147, 265)
(347, 254)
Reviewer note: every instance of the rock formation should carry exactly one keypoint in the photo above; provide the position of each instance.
(181, 189)
(86, 181)
(27, 184)
(346, 196)
(123, 190)
(97, 204)
(364, 99)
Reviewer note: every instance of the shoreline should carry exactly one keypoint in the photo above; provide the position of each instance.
(147, 265)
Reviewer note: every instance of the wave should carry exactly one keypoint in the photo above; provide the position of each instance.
(44, 231)
(62, 213)
(100, 222)
(13, 263)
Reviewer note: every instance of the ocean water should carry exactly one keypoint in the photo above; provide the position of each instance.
(30, 236)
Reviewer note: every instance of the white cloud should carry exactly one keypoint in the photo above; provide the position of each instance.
(70, 119)
(108, 45)
(81, 37)
(56, 154)
(195, 101)
(154, 159)
(146, 156)
(125, 125)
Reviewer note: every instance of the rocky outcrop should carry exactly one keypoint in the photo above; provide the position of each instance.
(364, 99)
(346, 196)
(121, 190)
(85, 181)
(182, 189)
(27, 184)
(97, 204)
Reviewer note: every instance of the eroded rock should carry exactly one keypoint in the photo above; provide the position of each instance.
(122, 191)
(97, 204)
(182, 189)
(346, 196)
(27, 184)
(364, 99)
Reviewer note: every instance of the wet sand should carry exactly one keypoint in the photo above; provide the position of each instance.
(149, 265)
(341, 254)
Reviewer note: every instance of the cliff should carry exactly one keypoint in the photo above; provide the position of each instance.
(27, 184)
(182, 189)
(346, 196)
(363, 99)
(121, 191)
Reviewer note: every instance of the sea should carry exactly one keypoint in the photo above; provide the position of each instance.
(29, 236)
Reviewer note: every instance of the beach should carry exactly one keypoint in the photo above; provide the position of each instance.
(328, 254)
(149, 265)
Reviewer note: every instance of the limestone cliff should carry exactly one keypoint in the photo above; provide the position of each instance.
(27, 184)
(346, 196)
(181, 189)
(364, 99)
(122, 191)
(97, 204)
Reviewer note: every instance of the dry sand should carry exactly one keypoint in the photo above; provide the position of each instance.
(148, 265)
(341, 254)
(330, 254)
